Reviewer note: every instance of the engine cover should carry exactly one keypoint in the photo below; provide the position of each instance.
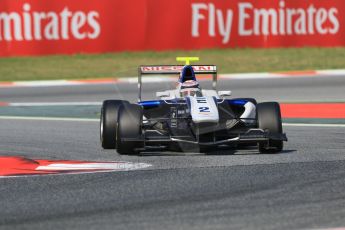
(203, 109)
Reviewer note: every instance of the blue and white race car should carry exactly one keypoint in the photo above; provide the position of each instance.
(189, 118)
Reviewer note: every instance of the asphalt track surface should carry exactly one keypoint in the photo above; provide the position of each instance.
(293, 89)
(301, 188)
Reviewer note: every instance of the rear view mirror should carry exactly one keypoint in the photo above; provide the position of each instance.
(225, 93)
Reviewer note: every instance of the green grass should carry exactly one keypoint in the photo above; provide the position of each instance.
(125, 64)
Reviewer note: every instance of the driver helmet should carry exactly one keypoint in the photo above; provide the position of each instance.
(187, 74)
(190, 88)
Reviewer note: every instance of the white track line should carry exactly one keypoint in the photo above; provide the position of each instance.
(110, 167)
(314, 125)
(52, 103)
(97, 120)
(86, 103)
(134, 80)
(48, 118)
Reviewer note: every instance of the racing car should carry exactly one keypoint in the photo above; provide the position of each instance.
(189, 118)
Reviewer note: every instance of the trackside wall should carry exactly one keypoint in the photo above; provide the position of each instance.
(36, 27)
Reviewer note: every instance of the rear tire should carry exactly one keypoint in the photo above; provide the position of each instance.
(130, 119)
(108, 122)
(269, 118)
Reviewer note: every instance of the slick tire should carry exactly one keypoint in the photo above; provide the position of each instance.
(129, 126)
(269, 118)
(108, 122)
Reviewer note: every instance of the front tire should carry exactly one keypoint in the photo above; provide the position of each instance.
(108, 122)
(129, 126)
(269, 119)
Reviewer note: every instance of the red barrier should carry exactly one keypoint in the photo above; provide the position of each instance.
(36, 27)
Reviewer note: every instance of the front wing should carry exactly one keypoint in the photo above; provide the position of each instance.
(254, 135)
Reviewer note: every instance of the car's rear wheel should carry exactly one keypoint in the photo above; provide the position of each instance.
(129, 129)
(108, 122)
(269, 119)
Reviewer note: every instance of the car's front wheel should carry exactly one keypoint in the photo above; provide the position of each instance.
(129, 129)
(269, 119)
(108, 122)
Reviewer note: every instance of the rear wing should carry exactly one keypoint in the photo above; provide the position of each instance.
(175, 69)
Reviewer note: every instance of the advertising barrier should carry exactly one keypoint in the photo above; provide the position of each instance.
(36, 27)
